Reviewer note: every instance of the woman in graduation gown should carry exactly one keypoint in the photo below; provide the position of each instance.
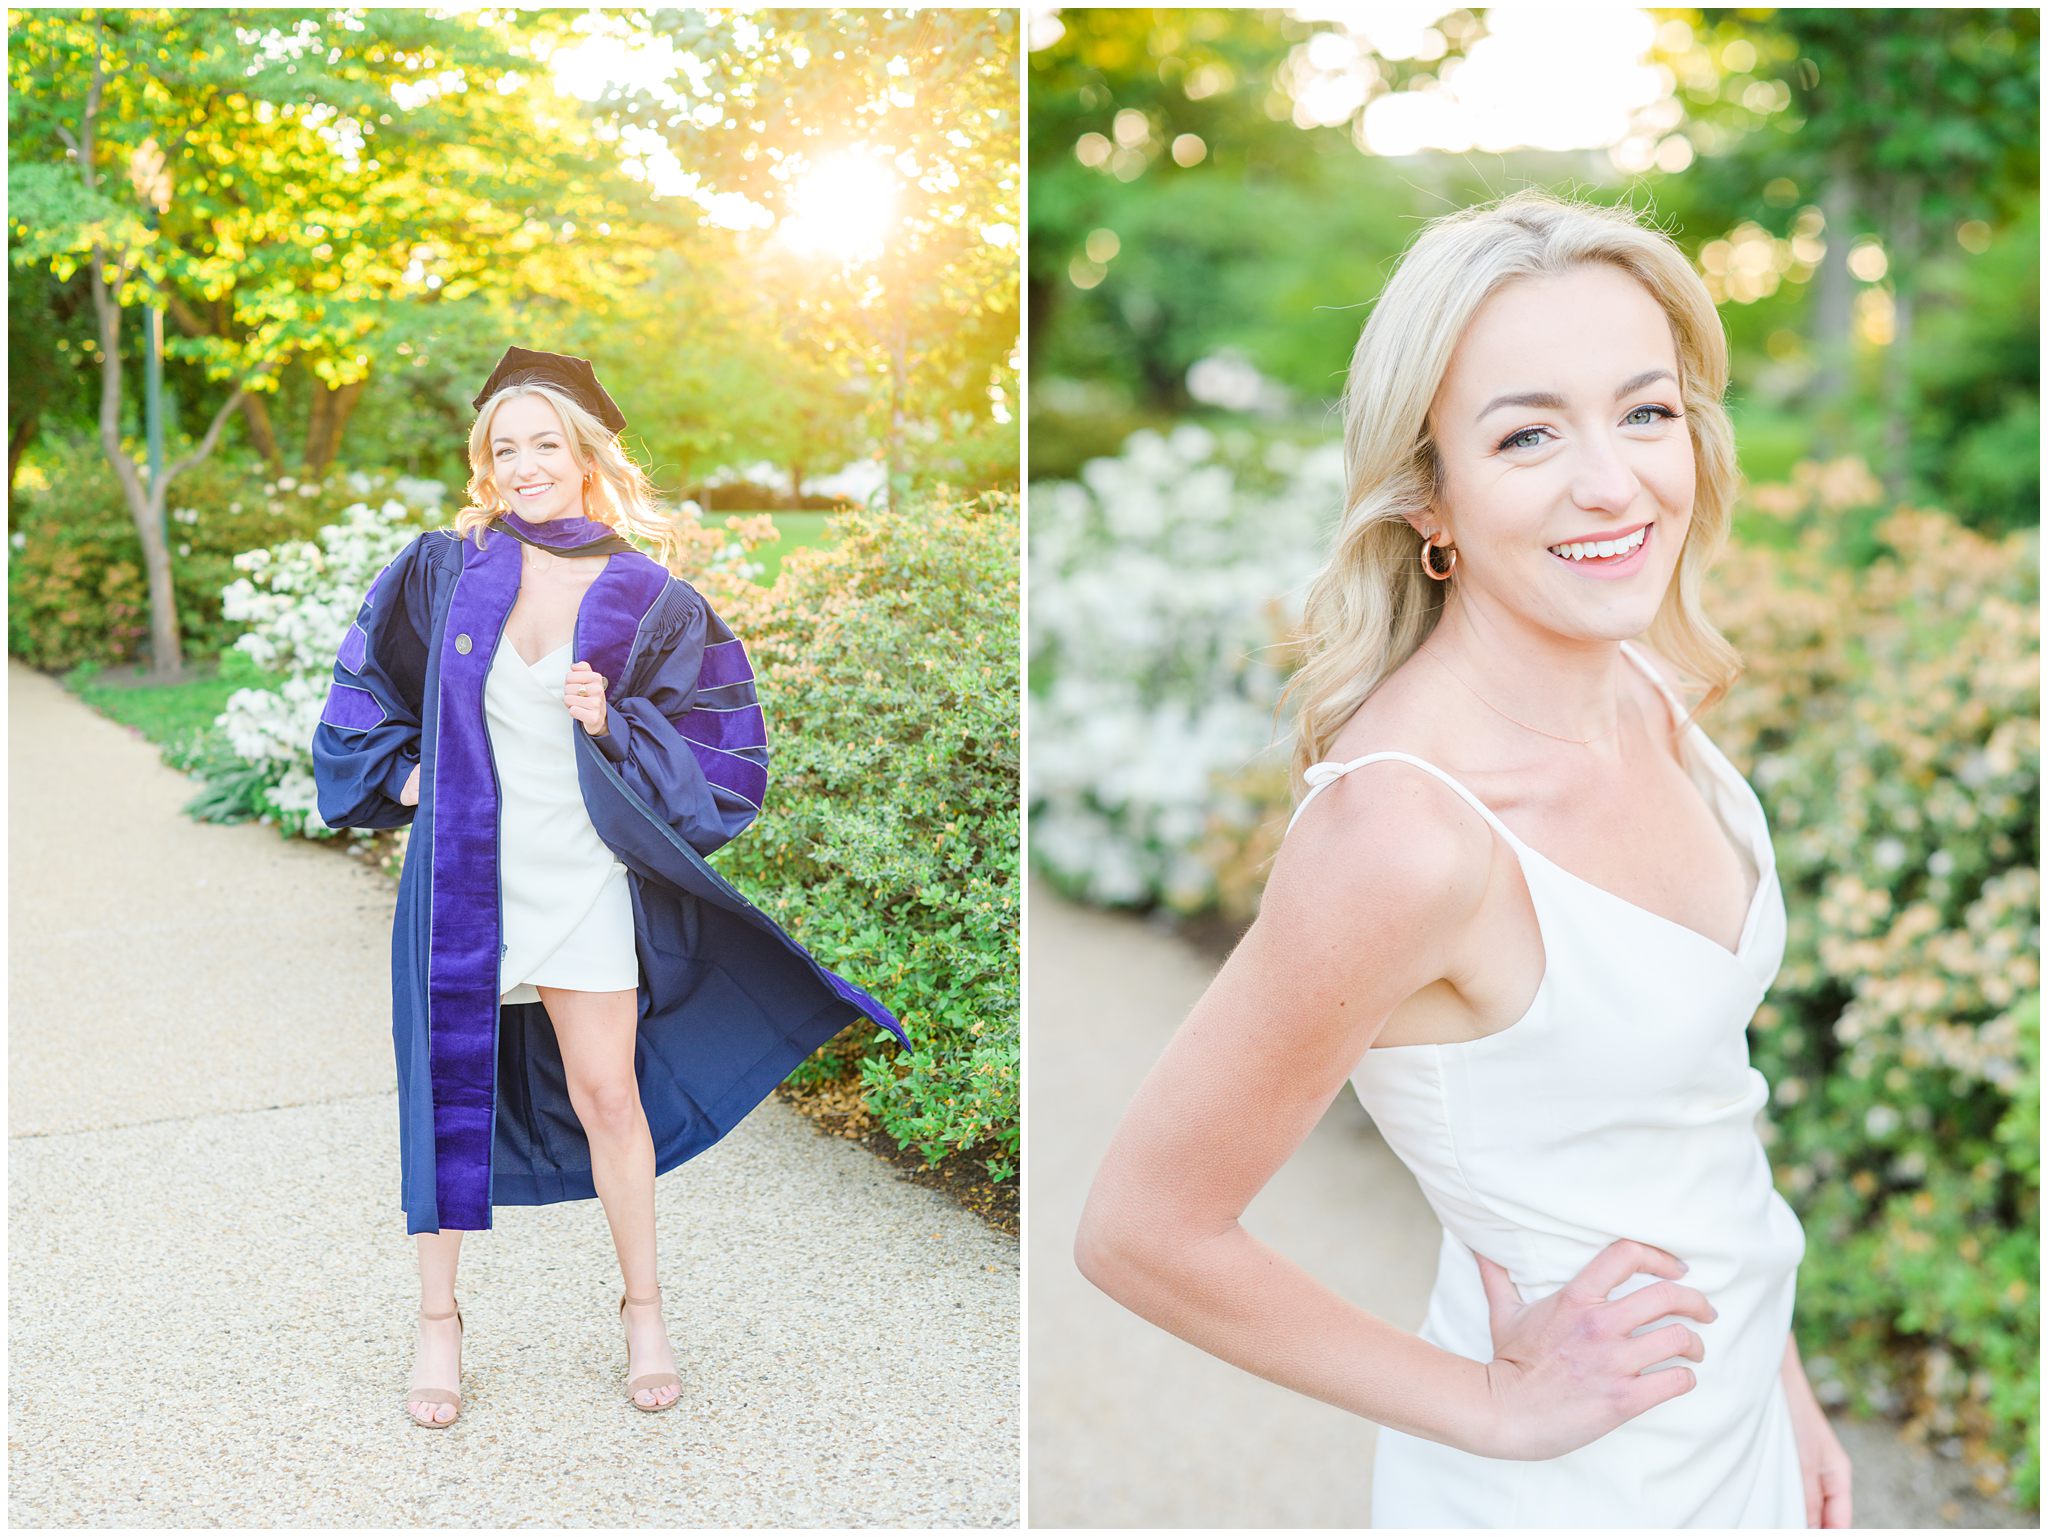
(579, 1000)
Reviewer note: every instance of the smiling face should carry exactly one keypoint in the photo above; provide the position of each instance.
(529, 449)
(1560, 428)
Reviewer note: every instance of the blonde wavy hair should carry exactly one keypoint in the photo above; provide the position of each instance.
(1371, 605)
(619, 494)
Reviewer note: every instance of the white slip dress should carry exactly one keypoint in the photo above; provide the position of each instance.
(1621, 1105)
(566, 905)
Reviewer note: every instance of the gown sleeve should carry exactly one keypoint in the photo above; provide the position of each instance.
(368, 740)
(691, 739)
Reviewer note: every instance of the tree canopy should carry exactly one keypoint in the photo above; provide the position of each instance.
(367, 204)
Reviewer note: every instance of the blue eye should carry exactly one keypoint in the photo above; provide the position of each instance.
(1530, 437)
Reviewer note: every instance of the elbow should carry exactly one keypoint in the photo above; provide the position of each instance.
(1094, 1255)
(1146, 1250)
(1108, 1252)
(332, 813)
(704, 843)
(376, 814)
(707, 835)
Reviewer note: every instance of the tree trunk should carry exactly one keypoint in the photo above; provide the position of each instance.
(1040, 297)
(1904, 239)
(1834, 315)
(165, 656)
(256, 418)
(796, 484)
(145, 503)
(18, 440)
(331, 411)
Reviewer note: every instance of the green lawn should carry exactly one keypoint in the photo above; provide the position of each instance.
(174, 716)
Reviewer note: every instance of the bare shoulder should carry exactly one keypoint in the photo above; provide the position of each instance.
(1387, 839)
(1390, 836)
(1372, 896)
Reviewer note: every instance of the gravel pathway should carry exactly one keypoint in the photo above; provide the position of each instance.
(1130, 1427)
(211, 1290)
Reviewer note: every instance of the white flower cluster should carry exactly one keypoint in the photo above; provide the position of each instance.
(415, 490)
(860, 482)
(1161, 580)
(298, 600)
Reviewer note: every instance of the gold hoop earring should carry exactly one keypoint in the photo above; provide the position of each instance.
(1429, 565)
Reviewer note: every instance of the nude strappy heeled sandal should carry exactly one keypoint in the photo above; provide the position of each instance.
(413, 1396)
(648, 1380)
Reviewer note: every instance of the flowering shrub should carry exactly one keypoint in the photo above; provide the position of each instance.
(887, 665)
(1159, 581)
(1889, 720)
(296, 601)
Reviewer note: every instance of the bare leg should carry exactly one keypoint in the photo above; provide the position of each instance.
(438, 1363)
(596, 1032)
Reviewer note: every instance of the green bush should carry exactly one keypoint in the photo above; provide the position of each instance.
(76, 591)
(887, 665)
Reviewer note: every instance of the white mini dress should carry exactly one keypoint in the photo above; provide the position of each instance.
(1621, 1105)
(567, 909)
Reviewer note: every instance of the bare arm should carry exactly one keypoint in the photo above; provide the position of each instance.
(1798, 1390)
(1825, 1473)
(1360, 912)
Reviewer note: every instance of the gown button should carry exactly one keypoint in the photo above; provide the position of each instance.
(462, 644)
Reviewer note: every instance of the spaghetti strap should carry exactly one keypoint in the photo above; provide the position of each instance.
(1322, 775)
(1677, 705)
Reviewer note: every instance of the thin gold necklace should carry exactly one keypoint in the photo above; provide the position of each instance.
(1468, 688)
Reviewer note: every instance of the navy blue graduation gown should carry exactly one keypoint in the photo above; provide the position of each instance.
(729, 1004)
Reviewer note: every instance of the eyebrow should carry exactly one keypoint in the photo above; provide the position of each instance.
(1550, 402)
(553, 432)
